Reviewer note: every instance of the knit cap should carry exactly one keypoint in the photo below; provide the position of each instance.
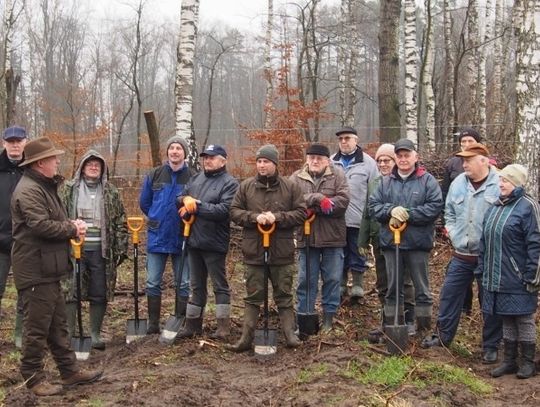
(270, 152)
(180, 140)
(516, 174)
(385, 149)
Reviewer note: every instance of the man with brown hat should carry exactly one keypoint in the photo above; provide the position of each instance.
(469, 197)
(326, 193)
(40, 256)
(267, 199)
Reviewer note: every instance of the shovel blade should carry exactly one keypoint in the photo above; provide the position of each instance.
(265, 342)
(308, 324)
(136, 329)
(81, 346)
(171, 329)
(397, 339)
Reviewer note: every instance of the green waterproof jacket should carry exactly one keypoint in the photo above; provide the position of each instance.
(114, 233)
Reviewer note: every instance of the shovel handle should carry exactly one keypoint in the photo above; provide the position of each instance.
(187, 225)
(76, 245)
(135, 224)
(266, 233)
(307, 224)
(397, 232)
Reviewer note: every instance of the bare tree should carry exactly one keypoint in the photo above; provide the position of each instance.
(268, 71)
(411, 62)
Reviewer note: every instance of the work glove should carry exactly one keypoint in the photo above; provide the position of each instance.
(395, 223)
(327, 206)
(190, 204)
(309, 212)
(270, 217)
(261, 219)
(400, 213)
(363, 251)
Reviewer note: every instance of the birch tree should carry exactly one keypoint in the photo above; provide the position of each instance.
(411, 58)
(497, 97)
(471, 113)
(526, 23)
(482, 85)
(450, 124)
(389, 118)
(268, 71)
(183, 89)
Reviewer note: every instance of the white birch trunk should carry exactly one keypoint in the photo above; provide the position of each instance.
(342, 62)
(526, 23)
(268, 72)
(6, 70)
(427, 78)
(472, 63)
(482, 85)
(183, 88)
(498, 60)
(449, 73)
(411, 62)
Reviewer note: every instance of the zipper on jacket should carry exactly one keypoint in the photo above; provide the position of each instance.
(516, 267)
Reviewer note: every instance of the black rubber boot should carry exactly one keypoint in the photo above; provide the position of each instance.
(194, 321)
(288, 325)
(154, 311)
(182, 305)
(527, 367)
(97, 313)
(251, 315)
(328, 320)
(509, 364)
(423, 324)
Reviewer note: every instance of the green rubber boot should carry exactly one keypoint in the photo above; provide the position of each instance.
(97, 312)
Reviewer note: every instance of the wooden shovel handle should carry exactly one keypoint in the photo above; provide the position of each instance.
(266, 233)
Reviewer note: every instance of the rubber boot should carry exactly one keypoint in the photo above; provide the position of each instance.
(71, 313)
(509, 364)
(527, 367)
(410, 319)
(223, 313)
(423, 324)
(97, 312)
(357, 290)
(182, 305)
(343, 289)
(288, 325)
(251, 315)
(154, 311)
(194, 320)
(328, 319)
(17, 332)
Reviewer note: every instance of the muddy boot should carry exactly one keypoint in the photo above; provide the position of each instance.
(17, 332)
(527, 367)
(71, 313)
(43, 389)
(97, 312)
(182, 306)
(194, 320)
(357, 290)
(154, 310)
(288, 325)
(423, 324)
(82, 377)
(509, 364)
(328, 319)
(251, 315)
(223, 313)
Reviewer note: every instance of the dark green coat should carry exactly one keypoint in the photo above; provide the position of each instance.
(114, 234)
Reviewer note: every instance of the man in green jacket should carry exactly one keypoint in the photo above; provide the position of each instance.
(265, 199)
(40, 259)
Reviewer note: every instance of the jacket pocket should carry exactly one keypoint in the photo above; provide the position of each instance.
(54, 263)
(516, 268)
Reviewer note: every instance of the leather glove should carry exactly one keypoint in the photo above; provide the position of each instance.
(261, 219)
(395, 223)
(270, 217)
(400, 213)
(190, 204)
(327, 206)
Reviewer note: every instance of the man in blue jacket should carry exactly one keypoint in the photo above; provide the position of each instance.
(412, 195)
(470, 195)
(208, 196)
(164, 227)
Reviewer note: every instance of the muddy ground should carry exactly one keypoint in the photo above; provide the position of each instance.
(328, 370)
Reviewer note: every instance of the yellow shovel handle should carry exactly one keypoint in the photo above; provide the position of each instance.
(76, 245)
(307, 224)
(397, 232)
(135, 224)
(187, 225)
(266, 234)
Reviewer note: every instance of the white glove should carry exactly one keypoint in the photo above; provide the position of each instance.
(400, 213)
(395, 223)
(270, 217)
(262, 219)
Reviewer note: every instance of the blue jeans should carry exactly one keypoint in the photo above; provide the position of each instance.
(328, 262)
(459, 276)
(155, 266)
(416, 262)
(353, 260)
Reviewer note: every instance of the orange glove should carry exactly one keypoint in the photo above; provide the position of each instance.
(190, 204)
(184, 214)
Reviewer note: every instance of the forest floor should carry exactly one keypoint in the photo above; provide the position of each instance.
(338, 368)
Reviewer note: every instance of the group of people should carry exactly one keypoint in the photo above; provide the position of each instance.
(351, 201)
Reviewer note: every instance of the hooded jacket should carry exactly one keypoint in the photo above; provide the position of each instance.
(421, 195)
(10, 174)
(114, 233)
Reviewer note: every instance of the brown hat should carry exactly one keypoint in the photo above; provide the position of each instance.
(474, 149)
(39, 149)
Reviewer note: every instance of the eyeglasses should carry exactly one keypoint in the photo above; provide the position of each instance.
(93, 164)
(382, 161)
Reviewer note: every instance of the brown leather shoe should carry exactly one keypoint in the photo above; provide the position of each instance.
(46, 389)
(82, 377)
